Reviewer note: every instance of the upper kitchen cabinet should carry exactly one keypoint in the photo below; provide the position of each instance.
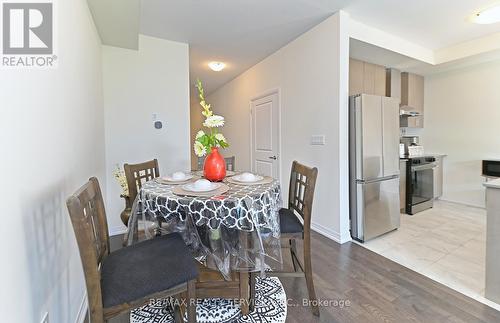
(412, 92)
(366, 78)
(412, 100)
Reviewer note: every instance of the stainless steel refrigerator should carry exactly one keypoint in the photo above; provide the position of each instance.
(374, 165)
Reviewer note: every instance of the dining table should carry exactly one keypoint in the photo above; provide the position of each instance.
(234, 228)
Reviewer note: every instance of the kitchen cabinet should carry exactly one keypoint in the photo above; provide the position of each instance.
(412, 99)
(366, 78)
(402, 184)
(356, 76)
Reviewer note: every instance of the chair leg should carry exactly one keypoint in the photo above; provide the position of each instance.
(252, 278)
(309, 277)
(178, 314)
(293, 254)
(191, 301)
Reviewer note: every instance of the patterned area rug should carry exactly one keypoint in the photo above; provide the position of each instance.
(270, 307)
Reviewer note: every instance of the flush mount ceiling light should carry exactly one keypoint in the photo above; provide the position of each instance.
(490, 15)
(216, 66)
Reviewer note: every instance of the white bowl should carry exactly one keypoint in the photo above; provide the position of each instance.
(178, 176)
(247, 178)
(201, 185)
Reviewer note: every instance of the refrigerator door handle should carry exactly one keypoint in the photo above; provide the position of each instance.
(376, 180)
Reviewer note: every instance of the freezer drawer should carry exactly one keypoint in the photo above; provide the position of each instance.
(376, 209)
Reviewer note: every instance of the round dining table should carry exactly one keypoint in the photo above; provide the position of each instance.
(236, 229)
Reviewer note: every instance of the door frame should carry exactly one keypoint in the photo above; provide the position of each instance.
(261, 96)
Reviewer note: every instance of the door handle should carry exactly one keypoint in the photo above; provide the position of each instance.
(273, 157)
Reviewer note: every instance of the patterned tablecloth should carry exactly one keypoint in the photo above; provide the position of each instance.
(238, 230)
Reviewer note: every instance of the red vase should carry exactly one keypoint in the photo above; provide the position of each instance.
(214, 168)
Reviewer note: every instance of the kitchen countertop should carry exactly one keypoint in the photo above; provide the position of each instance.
(424, 155)
(493, 184)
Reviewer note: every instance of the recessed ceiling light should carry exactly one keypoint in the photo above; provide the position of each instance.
(216, 66)
(487, 16)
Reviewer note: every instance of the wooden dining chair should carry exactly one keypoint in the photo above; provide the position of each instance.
(230, 161)
(136, 175)
(295, 224)
(130, 277)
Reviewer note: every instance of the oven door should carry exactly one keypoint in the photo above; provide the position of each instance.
(421, 188)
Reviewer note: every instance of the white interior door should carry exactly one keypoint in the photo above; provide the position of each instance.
(265, 135)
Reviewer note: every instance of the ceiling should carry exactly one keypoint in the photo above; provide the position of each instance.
(433, 24)
(243, 32)
(237, 32)
(381, 56)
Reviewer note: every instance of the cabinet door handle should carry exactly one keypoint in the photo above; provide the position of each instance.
(273, 157)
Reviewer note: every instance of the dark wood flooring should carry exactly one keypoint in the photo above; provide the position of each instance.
(375, 290)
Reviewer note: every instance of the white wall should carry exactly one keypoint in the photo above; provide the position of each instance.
(51, 134)
(138, 84)
(462, 115)
(311, 73)
(196, 124)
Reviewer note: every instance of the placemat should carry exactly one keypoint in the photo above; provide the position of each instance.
(265, 180)
(165, 182)
(178, 190)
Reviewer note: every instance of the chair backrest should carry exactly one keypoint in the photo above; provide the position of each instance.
(229, 163)
(201, 161)
(138, 174)
(301, 193)
(88, 216)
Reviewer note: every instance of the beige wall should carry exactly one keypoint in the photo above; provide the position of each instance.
(138, 84)
(52, 139)
(462, 115)
(311, 74)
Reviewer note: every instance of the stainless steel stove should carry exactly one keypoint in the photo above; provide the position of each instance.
(420, 184)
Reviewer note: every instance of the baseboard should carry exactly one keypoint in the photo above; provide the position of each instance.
(329, 233)
(114, 231)
(83, 310)
(461, 203)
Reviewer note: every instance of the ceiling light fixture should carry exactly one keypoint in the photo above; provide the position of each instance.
(487, 16)
(216, 66)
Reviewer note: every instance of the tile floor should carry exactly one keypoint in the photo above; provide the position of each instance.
(446, 243)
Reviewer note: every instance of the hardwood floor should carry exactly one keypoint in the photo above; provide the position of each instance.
(374, 289)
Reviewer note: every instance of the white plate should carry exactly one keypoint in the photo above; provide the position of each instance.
(191, 188)
(238, 178)
(170, 179)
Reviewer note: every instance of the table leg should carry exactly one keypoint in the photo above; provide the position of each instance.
(244, 292)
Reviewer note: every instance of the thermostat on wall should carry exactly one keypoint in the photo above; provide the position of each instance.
(158, 124)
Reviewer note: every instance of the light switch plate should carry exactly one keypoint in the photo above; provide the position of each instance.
(318, 140)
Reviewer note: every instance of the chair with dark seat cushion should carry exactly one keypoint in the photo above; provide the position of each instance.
(130, 277)
(138, 174)
(289, 223)
(146, 270)
(300, 201)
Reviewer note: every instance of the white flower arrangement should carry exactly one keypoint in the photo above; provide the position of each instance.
(204, 142)
(119, 174)
(214, 122)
